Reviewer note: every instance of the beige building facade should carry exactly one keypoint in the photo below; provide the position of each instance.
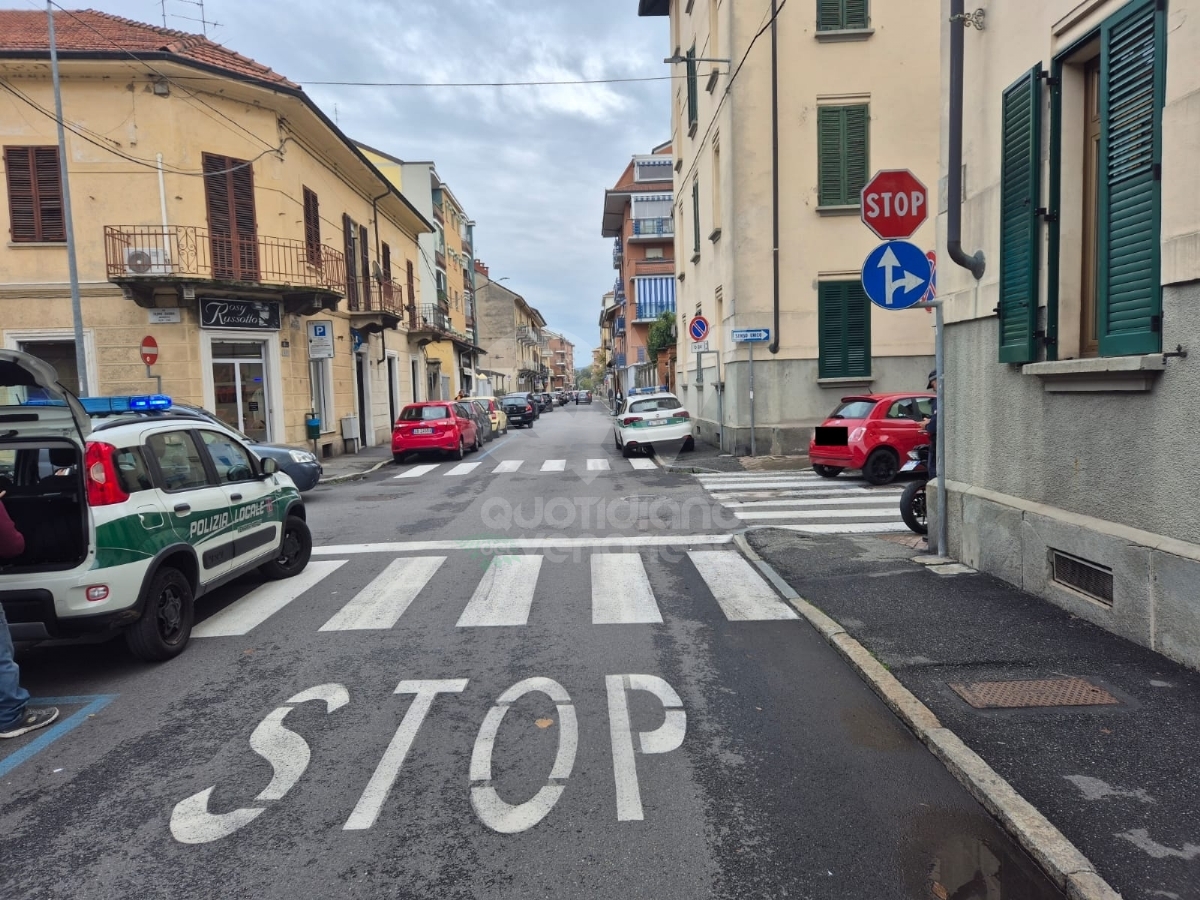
(223, 215)
(514, 333)
(857, 87)
(1070, 410)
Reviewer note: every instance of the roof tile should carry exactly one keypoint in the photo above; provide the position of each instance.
(90, 30)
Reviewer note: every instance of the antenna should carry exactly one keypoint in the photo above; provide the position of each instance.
(203, 19)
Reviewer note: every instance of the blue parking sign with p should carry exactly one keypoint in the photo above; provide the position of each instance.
(318, 331)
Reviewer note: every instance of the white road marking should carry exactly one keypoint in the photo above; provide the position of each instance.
(554, 465)
(462, 469)
(418, 471)
(509, 465)
(858, 513)
(643, 462)
(512, 544)
(598, 465)
(263, 602)
(1095, 789)
(621, 592)
(1140, 838)
(848, 528)
(667, 737)
(889, 500)
(850, 491)
(382, 602)
(742, 593)
(507, 818)
(505, 594)
(795, 484)
(366, 811)
(752, 476)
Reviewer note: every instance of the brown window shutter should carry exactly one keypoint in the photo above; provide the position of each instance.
(365, 251)
(233, 231)
(312, 228)
(49, 194)
(245, 220)
(22, 203)
(351, 263)
(220, 222)
(386, 252)
(35, 202)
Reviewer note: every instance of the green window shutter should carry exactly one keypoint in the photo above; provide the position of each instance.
(843, 330)
(829, 15)
(692, 88)
(1131, 101)
(1020, 177)
(856, 14)
(842, 153)
(696, 217)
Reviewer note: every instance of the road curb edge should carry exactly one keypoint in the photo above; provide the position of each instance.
(1059, 858)
(354, 476)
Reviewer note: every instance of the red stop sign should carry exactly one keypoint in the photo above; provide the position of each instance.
(894, 204)
(149, 350)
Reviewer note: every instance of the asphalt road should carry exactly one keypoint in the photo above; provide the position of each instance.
(556, 680)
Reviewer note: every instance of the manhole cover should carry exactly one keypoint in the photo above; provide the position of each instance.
(1037, 693)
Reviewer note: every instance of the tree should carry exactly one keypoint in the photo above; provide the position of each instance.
(662, 335)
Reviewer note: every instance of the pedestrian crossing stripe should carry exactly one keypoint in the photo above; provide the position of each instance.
(888, 499)
(621, 594)
(513, 466)
(858, 513)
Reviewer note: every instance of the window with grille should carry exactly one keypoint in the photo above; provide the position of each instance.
(35, 203)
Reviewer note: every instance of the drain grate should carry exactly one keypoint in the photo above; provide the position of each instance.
(1032, 694)
(1086, 577)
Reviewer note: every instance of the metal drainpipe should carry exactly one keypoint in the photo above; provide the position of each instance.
(975, 264)
(774, 346)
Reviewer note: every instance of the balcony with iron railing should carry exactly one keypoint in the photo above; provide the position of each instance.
(619, 326)
(649, 310)
(439, 257)
(658, 229)
(144, 258)
(439, 214)
(618, 254)
(657, 266)
(382, 302)
(430, 318)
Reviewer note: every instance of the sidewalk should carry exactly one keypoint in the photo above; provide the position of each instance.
(349, 467)
(1118, 779)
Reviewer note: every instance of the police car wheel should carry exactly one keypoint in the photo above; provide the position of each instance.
(166, 623)
(294, 550)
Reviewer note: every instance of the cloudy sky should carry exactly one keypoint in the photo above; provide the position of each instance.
(530, 164)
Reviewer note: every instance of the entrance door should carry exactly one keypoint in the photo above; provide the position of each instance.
(240, 387)
(364, 414)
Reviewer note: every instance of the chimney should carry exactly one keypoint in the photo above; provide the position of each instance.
(481, 268)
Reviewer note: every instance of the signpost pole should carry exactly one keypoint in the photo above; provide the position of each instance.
(753, 445)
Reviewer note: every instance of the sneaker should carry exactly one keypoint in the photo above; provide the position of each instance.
(32, 720)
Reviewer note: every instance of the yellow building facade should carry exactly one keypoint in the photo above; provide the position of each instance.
(217, 211)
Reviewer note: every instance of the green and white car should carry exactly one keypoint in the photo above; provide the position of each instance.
(128, 522)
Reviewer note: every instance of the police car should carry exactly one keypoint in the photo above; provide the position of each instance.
(128, 520)
(651, 416)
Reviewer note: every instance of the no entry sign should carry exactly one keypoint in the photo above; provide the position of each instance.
(149, 350)
(894, 204)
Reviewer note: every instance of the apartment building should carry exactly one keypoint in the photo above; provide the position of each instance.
(561, 361)
(1070, 392)
(639, 217)
(514, 333)
(770, 160)
(217, 210)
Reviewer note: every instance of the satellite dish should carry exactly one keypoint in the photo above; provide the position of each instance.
(378, 271)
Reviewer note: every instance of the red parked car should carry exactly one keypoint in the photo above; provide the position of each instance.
(436, 425)
(873, 433)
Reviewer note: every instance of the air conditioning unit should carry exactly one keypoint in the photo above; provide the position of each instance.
(147, 261)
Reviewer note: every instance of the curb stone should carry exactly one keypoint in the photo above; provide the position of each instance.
(354, 476)
(1062, 861)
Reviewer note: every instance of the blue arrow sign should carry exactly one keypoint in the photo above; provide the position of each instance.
(896, 275)
(751, 335)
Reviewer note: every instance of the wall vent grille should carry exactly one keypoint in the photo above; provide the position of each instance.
(1081, 575)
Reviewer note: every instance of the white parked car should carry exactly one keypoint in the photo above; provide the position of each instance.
(649, 417)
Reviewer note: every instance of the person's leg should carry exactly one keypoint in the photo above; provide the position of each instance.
(13, 697)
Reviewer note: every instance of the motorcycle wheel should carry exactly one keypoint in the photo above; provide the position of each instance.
(912, 507)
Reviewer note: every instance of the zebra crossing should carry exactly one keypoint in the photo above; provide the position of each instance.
(803, 502)
(592, 466)
(621, 592)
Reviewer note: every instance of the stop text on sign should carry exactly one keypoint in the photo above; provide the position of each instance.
(894, 204)
(289, 755)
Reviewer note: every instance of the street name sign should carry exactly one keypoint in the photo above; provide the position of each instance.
(751, 335)
(896, 275)
(894, 204)
(700, 347)
(149, 350)
(698, 328)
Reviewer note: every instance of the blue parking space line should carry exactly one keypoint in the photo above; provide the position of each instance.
(93, 704)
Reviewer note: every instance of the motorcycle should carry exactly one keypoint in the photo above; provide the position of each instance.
(912, 500)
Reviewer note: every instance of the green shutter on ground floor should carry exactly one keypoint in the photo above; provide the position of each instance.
(844, 330)
(1020, 178)
(1131, 99)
